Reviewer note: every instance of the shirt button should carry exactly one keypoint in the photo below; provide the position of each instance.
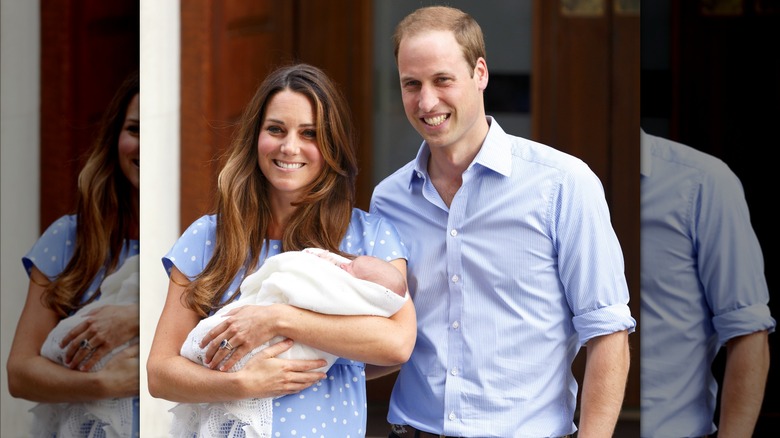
(452, 416)
(454, 371)
(419, 175)
(455, 278)
(453, 233)
(455, 325)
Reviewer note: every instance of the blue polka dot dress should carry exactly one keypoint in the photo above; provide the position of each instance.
(336, 406)
(51, 254)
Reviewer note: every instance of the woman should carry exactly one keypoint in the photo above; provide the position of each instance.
(66, 267)
(288, 184)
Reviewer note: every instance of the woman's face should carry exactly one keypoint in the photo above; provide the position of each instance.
(129, 149)
(287, 149)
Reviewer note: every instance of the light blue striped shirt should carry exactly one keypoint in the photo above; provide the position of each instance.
(508, 282)
(702, 283)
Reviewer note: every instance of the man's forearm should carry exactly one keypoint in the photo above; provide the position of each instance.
(744, 381)
(604, 385)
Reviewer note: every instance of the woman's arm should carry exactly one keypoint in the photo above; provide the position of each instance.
(371, 339)
(36, 378)
(176, 378)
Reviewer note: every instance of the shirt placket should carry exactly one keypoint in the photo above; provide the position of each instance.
(453, 385)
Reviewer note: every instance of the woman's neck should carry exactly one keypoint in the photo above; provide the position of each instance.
(281, 212)
(275, 230)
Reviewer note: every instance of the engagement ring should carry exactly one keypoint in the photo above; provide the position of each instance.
(86, 345)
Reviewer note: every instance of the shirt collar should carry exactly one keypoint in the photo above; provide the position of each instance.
(495, 154)
(496, 151)
(420, 168)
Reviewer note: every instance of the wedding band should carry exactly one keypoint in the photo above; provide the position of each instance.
(86, 345)
(225, 345)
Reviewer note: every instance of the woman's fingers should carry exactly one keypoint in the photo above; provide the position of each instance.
(84, 345)
(299, 374)
(74, 333)
(242, 329)
(277, 348)
(123, 371)
(101, 330)
(267, 353)
(223, 346)
(213, 333)
(91, 360)
(279, 377)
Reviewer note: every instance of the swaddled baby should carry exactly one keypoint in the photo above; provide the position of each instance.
(312, 279)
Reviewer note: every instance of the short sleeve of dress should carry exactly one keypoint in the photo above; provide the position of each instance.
(192, 251)
(51, 253)
(371, 234)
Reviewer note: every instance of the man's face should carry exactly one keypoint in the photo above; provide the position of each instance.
(442, 95)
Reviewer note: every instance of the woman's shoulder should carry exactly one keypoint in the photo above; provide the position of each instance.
(366, 219)
(200, 232)
(54, 247)
(194, 248)
(372, 234)
(362, 223)
(64, 224)
(204, 223)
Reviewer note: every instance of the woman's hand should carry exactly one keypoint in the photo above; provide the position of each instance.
(121, 373)
(104, 329)
(268, 376)
(243, 329)
(171, 376)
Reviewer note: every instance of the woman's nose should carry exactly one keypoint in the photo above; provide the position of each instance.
(289, 147)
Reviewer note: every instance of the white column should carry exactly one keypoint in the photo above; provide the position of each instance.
(159, 76)
(19, 181)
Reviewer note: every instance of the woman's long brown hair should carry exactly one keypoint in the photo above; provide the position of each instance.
(106, 211)
(242, 204)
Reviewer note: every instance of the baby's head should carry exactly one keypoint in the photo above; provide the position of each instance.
(377, 271)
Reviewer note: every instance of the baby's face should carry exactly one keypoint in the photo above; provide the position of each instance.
(364, 267)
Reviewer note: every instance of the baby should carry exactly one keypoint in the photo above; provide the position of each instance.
(114, 416)
(312, 279)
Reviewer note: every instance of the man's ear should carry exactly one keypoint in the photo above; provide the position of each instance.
(481, 73)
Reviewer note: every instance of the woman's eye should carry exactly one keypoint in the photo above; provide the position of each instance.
(274, 129)
(310, 133)
(133, 129)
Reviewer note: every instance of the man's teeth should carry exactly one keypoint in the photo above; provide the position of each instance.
(434, 121)
(284, 165)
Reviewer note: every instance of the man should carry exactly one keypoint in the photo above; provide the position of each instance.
(513, 261)
(703, 287)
